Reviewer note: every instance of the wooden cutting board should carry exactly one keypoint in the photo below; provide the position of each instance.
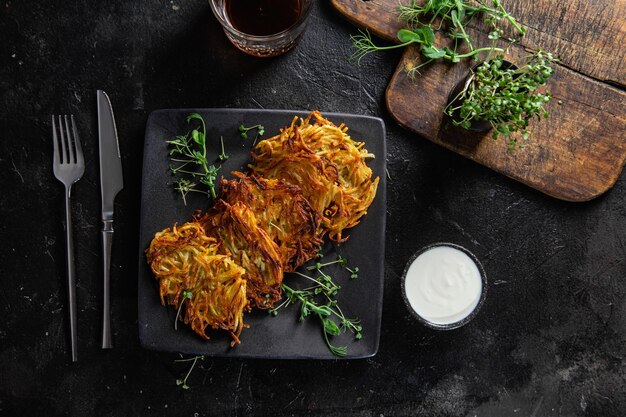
(579, 151)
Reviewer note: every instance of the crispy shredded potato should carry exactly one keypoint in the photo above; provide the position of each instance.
(250, 246)
(185, 260)
(308, 181)
(282, 211)
(327, 164)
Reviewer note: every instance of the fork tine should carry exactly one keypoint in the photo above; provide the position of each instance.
(55, 141)
(70, 142)
(64, 147)
(79, 148)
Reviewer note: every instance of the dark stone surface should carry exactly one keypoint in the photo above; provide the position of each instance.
(550, 339)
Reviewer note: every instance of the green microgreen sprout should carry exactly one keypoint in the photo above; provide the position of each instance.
(188, 152)
(243, 131)
(318, 265)
(182, 382)
(452, 16)
(222, 156)
(186, 295)
(332, 318)
(424, 37)
(505, 96)
(354, 272)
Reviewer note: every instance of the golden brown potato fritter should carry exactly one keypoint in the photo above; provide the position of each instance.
(335, 178)
(282, 211)
(207, 287)
(250, 246)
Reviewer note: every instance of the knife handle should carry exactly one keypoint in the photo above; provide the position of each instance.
(107, 244)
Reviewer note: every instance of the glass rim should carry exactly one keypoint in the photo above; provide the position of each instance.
(226, 25)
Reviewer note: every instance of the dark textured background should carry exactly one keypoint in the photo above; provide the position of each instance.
(549, 341)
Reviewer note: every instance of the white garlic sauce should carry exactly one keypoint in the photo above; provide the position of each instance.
(443, 285)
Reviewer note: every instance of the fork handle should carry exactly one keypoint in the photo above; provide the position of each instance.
(107, 244)
(71, 274)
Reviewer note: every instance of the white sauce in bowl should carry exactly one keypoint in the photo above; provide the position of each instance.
(443, 285)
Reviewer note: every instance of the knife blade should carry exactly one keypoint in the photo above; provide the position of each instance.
(111, 183)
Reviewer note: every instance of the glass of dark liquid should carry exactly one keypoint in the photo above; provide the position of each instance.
(262, 28)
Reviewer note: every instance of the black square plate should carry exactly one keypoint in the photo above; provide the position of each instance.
(283, 336)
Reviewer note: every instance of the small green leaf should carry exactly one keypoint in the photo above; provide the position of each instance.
(331, 327)
(196, 136)
(406, 35)
(192, 116)
(432, 52)
(428, 35)
(455, 18)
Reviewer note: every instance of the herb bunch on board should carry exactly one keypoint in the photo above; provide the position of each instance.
(452, 16)
(506, 97)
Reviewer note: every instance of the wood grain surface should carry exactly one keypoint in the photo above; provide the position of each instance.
(579, 151)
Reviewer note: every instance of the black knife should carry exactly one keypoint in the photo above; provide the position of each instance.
(111, 183)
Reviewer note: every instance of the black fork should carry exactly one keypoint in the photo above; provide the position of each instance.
(69, 166)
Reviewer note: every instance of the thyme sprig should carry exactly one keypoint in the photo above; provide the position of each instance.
(318, 300)
(188, 154)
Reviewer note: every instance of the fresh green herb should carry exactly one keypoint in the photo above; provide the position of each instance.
(318, 265)
(223, 155)
(457, 14)
(327, 310)
(186, 295)
(453, 16)
(189, 152)
(506, 97)
(183, 381)
(243, 131)
(424, 37)
(354, 272)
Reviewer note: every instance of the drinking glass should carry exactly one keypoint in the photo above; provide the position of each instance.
(262, 46)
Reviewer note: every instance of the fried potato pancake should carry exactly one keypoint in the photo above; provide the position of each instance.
(344, 196)
(208, 288)
(236, 226)
(282, 211)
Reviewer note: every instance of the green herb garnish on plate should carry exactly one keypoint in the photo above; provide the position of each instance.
(319, 300)
(188, 154)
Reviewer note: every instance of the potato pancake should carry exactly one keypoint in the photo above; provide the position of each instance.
(343, 202)
(236, 227)
(282, 211)
(207, 288)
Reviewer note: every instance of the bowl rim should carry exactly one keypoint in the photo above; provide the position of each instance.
(469, 317)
